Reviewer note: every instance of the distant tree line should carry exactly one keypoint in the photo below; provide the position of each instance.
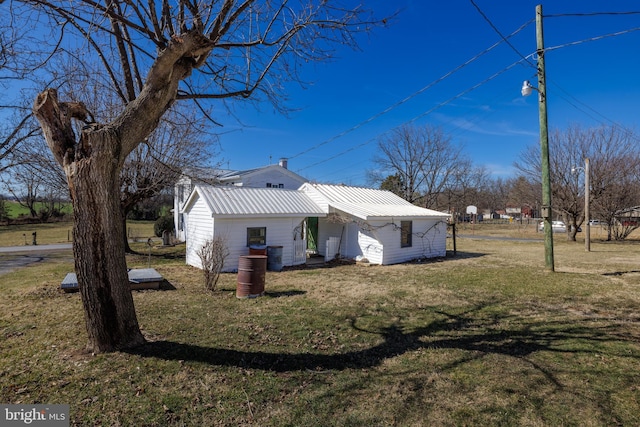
(423, 166)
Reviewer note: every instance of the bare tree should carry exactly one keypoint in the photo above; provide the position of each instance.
(12, 135)
(615, 184)
(568, 149)
(523, 192)
(180, 141)
(465, 187)
(614, 158)
(424, 160)
(155, 165)
(24, 187)
(153, 55)
(498, 194)
(17, 124)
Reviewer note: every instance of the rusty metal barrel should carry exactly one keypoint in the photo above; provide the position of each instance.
(258, 250)
(251, 274)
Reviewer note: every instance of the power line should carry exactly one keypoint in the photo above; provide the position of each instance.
(486, 18)
(591, 39)
(440, 105)
(413, 95)
(630, 133)
(503, 39)
(582, 14)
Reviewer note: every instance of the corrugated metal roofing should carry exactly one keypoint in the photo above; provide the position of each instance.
(369, 203)
(265, 202)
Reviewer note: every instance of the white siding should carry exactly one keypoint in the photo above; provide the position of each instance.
(280, 232)
(379, 241)
(275, 177)
(181, 193)
(350, 247)
(199, 229)
(371, 248)
(428, 241)
(327, 229)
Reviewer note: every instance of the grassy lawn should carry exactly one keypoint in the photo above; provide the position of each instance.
(62, 232)
(14, 209)
(485, 338)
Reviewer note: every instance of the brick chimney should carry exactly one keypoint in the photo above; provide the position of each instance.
(284, 162)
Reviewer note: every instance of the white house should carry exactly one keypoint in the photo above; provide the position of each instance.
(336, 221)
(271, 176)
(248, 216)
(375, 224)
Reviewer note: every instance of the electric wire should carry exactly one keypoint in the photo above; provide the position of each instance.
(503, 39)
(421, 115)
(629, 132)
(604, 119)
(408, 98)
(582, 14)
(591, 39)
(486, 18)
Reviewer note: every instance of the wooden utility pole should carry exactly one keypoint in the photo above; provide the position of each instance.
(544, 145)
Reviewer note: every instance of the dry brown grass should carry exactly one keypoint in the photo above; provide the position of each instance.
(485, 338)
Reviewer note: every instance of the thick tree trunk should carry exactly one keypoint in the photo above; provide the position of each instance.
(99, 254)
(92, 164)
(92, 167)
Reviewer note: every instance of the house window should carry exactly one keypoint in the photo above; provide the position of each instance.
(405, 234)
(268, 185)
(256, 236)
(280, 185)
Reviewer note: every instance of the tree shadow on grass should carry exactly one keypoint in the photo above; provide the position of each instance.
(166, 285)
(477, 335)
(462, 255)
(621, 273)
(280, 294)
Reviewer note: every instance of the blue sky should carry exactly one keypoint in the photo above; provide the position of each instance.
(590, 83)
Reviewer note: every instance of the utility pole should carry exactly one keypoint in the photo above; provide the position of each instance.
(544, 144)
(587, 218)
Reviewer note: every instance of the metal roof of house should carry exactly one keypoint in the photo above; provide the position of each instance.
(257, 202)
(369, 203)
(204, 175)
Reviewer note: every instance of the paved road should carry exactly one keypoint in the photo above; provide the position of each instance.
(37, 248)
(14, 257)
(509, 239)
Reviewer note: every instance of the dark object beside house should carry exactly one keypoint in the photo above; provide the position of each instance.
(258, 250)
(274, 258)
(139, 278)
(251, 275)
